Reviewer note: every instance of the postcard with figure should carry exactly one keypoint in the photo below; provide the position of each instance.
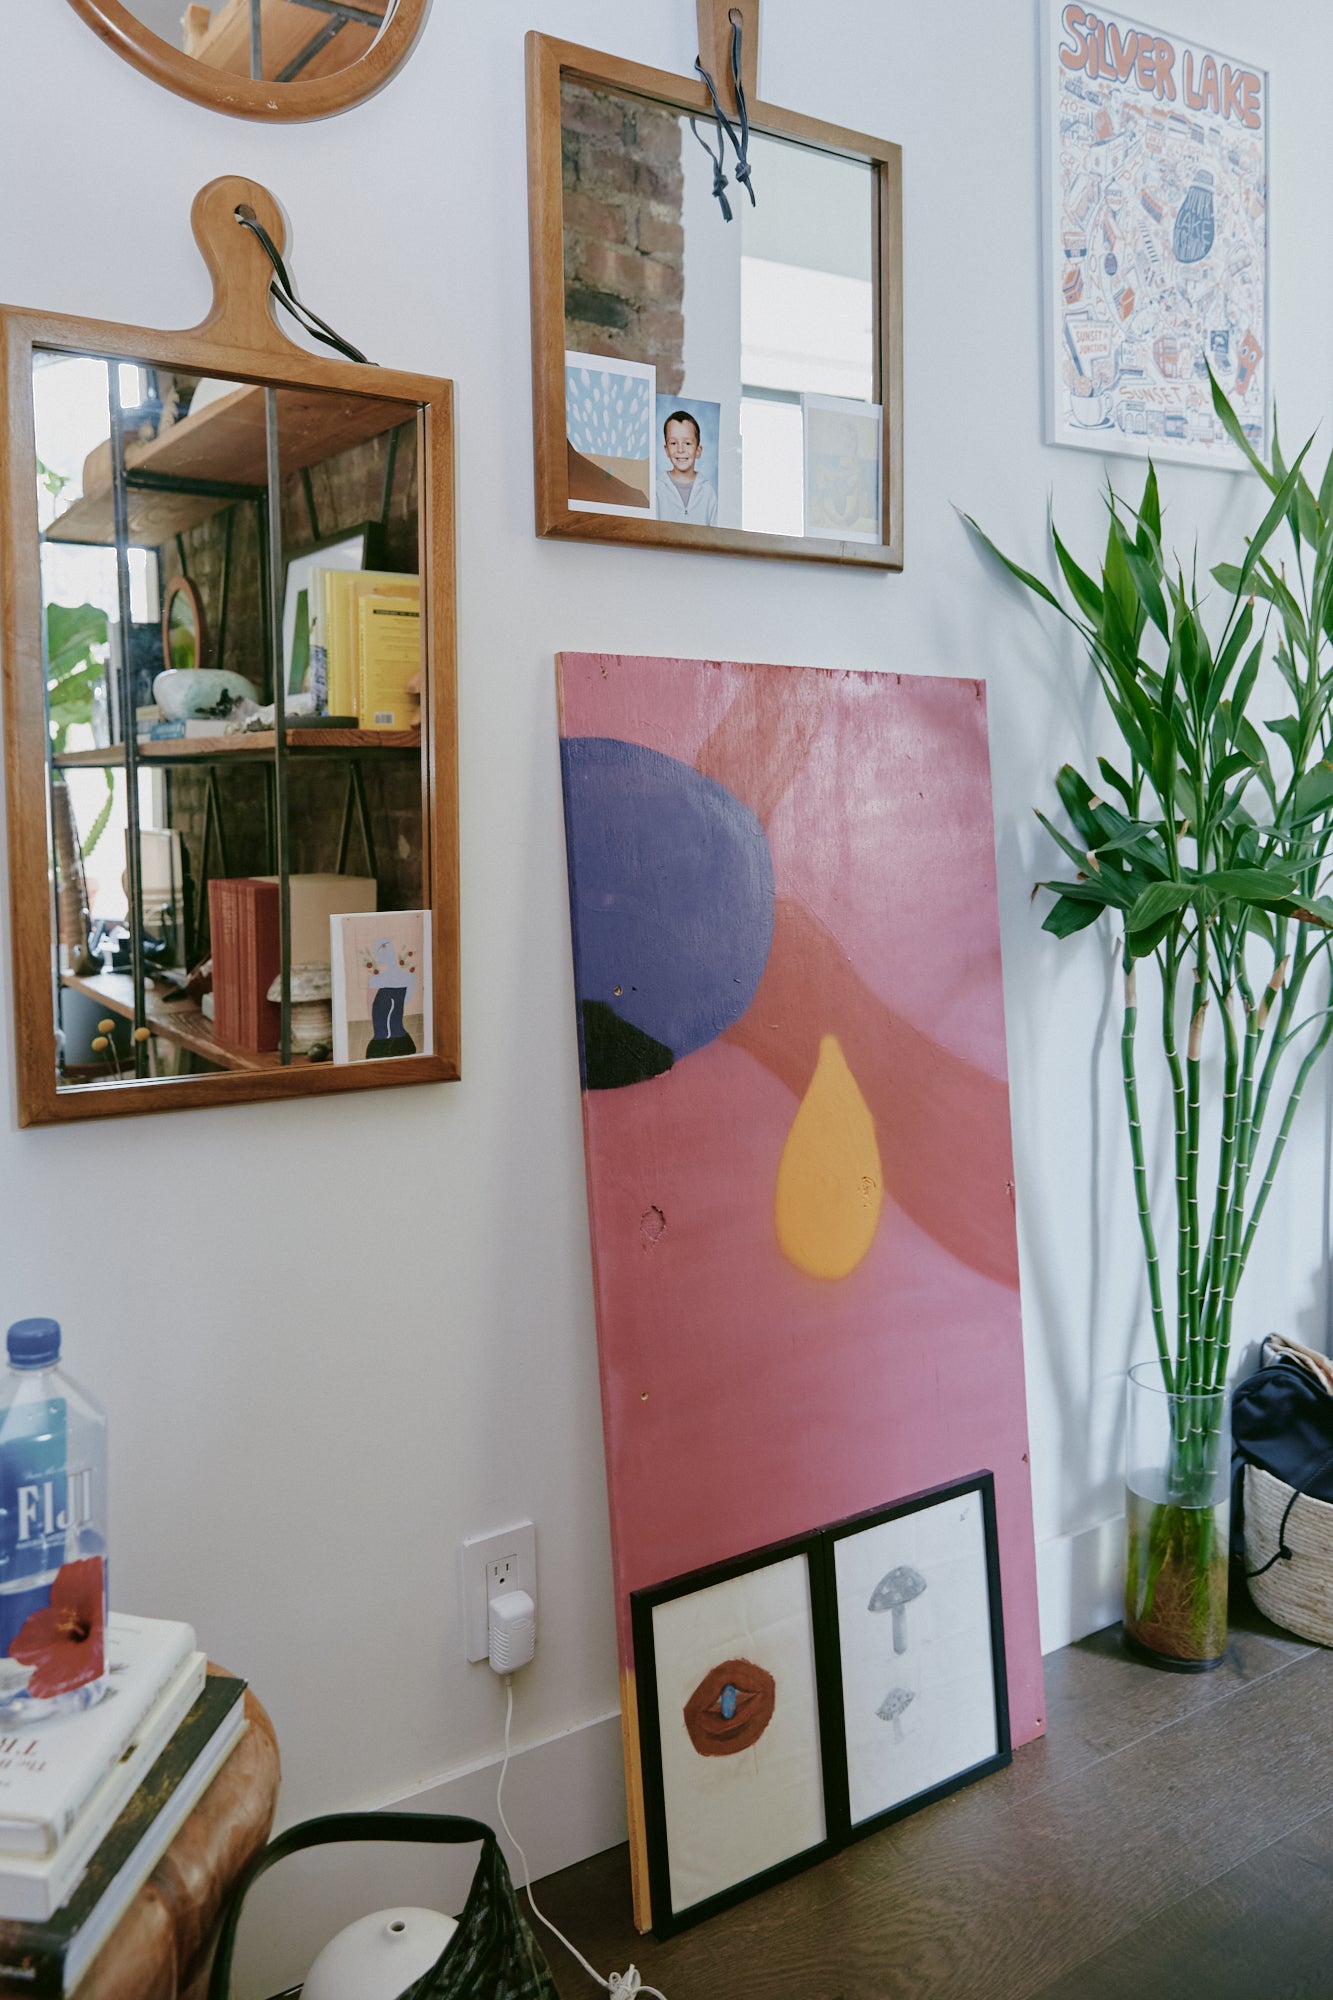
(381, 985)
(843, 449)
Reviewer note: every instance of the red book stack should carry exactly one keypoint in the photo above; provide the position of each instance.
(244, 924)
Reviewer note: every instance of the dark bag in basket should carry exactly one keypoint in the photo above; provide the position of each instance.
(491, 1956)
(1281, 1421)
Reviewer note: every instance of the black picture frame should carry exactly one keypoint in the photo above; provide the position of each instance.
(297, 562)
(819, 1550)
(644, 1604)
(837, 1775)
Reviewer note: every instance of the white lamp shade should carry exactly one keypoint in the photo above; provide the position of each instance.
(378, 1956)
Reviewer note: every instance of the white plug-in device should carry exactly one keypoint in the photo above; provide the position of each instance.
(512, 1630)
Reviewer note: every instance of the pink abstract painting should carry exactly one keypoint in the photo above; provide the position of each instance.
(800, 1181)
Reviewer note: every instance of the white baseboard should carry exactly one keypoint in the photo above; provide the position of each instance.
(1080, 1582)
(564, 1798)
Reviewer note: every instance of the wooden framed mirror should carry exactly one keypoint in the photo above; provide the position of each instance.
(702, 380)
(276, 59)
(184, 630)
(233, 861)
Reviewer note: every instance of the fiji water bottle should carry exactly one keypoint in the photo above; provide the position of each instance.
(53, 1571)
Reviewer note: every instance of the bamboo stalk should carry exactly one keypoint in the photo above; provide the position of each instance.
(1201, 1371)
(1193, 1070)
(1180, 1122)
(1284, 1133)
(1236, 1217)
(1127, 1034)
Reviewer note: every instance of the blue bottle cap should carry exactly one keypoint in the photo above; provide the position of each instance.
(33, 1343)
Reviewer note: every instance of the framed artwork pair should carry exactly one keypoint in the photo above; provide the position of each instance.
(796, 1698)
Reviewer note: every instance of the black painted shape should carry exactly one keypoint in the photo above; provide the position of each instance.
(615, 1052)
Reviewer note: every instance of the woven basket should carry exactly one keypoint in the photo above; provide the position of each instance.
(1296, 1594)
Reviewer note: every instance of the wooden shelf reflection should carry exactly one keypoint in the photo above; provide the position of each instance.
(180, 1021)
(182, 749)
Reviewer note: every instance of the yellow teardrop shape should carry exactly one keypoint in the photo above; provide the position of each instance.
(830, 1186)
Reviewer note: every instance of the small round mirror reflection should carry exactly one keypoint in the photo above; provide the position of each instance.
(183, 627)
(281, 41)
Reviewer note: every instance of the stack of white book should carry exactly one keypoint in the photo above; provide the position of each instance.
(89, 1802)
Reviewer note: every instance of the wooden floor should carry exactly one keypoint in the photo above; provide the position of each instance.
(1170, 1838)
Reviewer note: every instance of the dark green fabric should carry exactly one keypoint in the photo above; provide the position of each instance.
(491, 1956)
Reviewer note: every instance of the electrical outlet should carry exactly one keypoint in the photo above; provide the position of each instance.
(502, 1574)
(490, 1564)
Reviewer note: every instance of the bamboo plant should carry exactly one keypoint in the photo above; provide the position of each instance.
(1209, 844)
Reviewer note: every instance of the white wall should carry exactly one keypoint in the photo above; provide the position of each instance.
(314, 1391)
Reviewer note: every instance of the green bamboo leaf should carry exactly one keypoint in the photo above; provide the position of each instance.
(1313, 910)
(1288, 727)
(1077, 799)
(1163, 739)
(1123, 614)
(1264, 533)
(1304, 514)
(1066, 916)
(1150, 507)
(1247, 738)
(1081, 586)
(1249, 885)
(1025, 577)
(1230, 767)
(1313, 794)
(1148, 587)
(1142, 944)
(1118, 784)
(1245, 679)
(1078, 855)
(1234, 429)
(1270, 585)
(1162, 899)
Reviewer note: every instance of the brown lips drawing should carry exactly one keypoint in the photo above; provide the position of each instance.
(730, 1709)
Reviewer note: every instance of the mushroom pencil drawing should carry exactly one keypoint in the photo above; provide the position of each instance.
(894, 1593)
(891, 1709)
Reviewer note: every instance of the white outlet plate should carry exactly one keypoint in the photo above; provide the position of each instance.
(489, 1564)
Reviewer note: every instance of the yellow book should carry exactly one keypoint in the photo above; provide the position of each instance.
(390, 658)
(340, 694)
(349, 587)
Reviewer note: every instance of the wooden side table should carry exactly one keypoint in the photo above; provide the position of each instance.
(162, 1947)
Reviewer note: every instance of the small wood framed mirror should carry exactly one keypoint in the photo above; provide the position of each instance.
(712, 371)
(184, 634)
(229, 705)
(275, 59)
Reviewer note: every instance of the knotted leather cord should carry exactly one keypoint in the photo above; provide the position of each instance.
(1284, 1554)
(285, 293)
(741, 144)
(719, 160)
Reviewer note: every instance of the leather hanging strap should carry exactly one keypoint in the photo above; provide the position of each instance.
(740, 140)
(720, 182)
(285, 292)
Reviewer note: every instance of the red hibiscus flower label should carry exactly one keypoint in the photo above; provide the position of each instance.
(64, 1642)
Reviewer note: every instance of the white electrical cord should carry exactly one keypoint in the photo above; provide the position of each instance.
(621, 1985)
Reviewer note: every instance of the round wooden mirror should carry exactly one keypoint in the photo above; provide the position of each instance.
(184, 637)
(262, 58)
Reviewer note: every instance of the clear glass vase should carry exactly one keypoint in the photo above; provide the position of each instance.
(1178, 1519)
